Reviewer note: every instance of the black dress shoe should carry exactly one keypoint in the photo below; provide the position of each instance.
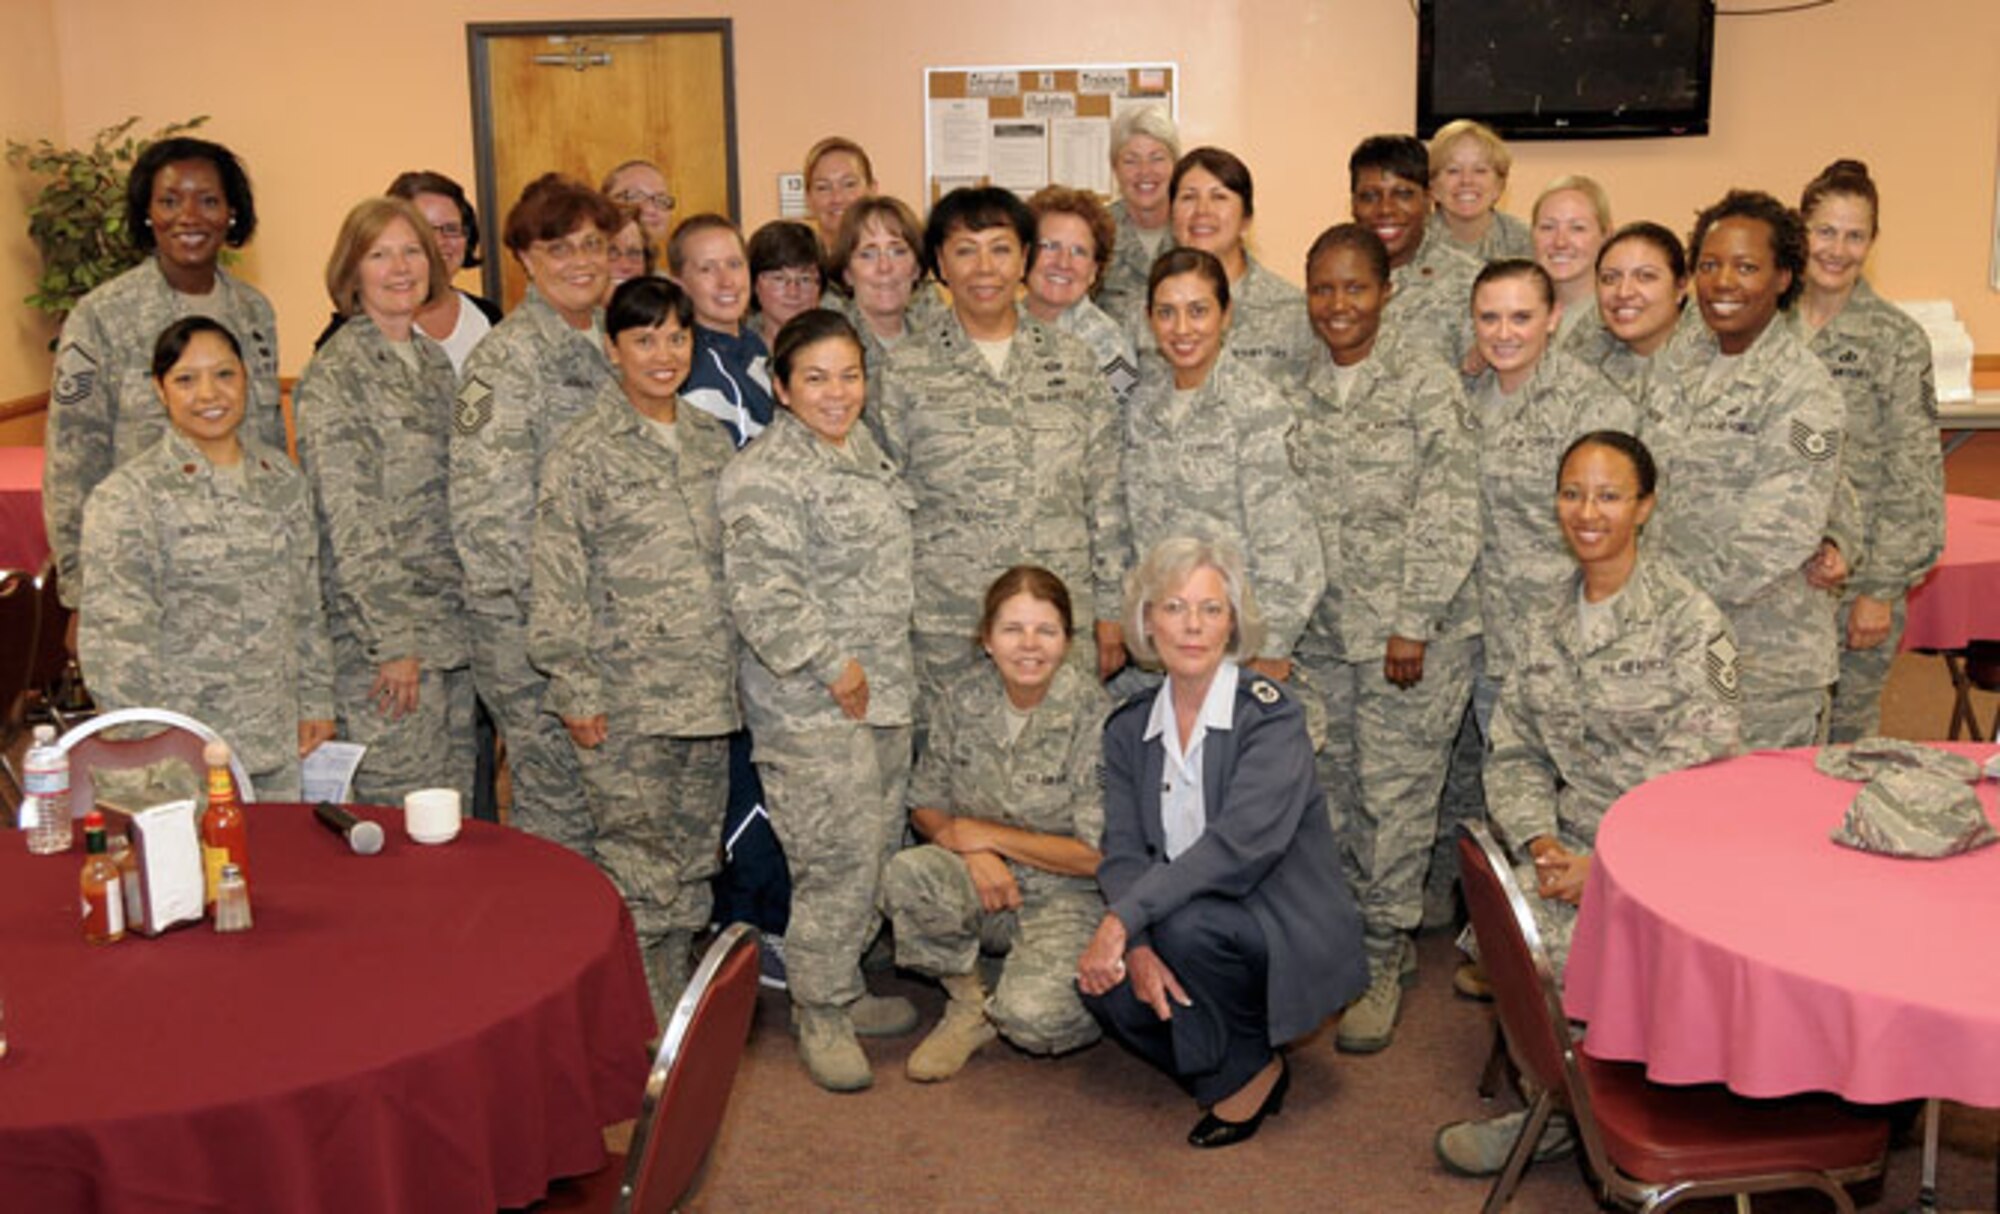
(1213, 1131)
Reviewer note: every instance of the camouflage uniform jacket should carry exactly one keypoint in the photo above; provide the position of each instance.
(816, 566)
(627, 616)
(1507, 236)
(1123, 295)
(374, 440)
(1431, 296)
(1749, 476)
(1220, 463)
(1881, 361)
(205, 597)
(1522, 554)
(103, 409)
(1117, 360)
(1009, 469)
(1392, 477)
(1046, 780)
(1580, 725)
(525, 383)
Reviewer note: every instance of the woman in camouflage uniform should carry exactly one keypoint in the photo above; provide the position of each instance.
(184, 201)
(374, 420)
(1007, 794)
(1881, 361)
(1629, 674)
(816, 566)
(204, 595)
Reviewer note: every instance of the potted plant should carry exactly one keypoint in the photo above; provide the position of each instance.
(78, 219)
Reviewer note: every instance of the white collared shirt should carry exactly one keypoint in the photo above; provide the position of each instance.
(1183, 808)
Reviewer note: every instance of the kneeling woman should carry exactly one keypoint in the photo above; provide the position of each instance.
(1007, 793)
(202, 590)
(816, 568)
(1230, 929)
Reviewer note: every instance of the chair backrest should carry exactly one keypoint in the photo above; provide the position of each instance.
(19, 612)
(688, 1089)
(1525, 994)
(51, 651)
(175, 737)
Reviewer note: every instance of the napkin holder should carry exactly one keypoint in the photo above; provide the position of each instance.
(167, 879)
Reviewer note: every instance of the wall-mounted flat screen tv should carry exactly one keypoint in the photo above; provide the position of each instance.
(1566, 69)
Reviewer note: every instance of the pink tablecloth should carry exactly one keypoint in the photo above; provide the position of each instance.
(1724, 937)
(1960, 601)
(23, 542)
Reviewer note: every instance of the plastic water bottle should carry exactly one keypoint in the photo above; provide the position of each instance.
(45, 807)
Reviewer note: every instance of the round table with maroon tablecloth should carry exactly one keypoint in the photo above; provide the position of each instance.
(431, 1029)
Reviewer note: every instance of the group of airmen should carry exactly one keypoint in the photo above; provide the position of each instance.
(1056, 384)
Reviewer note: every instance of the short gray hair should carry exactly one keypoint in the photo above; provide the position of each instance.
(1166, 568)
(1148, 120)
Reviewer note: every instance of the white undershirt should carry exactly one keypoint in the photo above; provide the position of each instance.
(1183, 807)
(472, 325)
(996, 352)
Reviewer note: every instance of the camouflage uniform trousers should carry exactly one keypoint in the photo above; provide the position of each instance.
(1777, 718)
(656, 807)
(278, 784)
(1382, 767)
(1555, 920)
(940, 928)
(1857, 697)
(835, 796)
(547, 784)
(430, 747)
(1464, 797)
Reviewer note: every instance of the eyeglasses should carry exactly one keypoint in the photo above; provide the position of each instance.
(449, 231)
(1211, 611)
(567, 250)
(789, 280)
(1049, 248)
(636, 197)
(875, 253)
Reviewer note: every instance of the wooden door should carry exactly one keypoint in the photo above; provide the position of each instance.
(584, 97)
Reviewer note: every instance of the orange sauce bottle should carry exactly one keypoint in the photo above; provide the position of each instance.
(225, 833)
(103, 900)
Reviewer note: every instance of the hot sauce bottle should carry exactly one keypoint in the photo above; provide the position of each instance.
(225, 835)
(103, 900)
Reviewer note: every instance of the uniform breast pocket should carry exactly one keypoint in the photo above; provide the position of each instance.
(1632, 700)
(1041, 798)
(1056, 439)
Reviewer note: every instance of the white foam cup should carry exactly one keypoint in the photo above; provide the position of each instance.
(431, 815)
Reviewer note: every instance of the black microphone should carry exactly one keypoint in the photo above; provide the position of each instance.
(363, 838)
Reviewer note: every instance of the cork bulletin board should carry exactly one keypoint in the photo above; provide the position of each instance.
(1027, 127)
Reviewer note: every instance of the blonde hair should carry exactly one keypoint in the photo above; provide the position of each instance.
(1600, 201)
(1459, 129)
(1168, 566)
(363, 226)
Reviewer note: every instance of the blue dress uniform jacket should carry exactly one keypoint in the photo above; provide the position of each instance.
(1268, 842)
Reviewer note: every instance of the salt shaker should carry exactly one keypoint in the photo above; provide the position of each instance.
(232, 901)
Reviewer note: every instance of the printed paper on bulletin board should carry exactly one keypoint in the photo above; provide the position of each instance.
(1027, 127)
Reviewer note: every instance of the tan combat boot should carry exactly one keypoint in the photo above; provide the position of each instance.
(828, 1048)
(963, 1029)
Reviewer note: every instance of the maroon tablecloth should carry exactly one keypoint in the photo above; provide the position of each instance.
(1956, 604)
(23, 542)
(429, 1029)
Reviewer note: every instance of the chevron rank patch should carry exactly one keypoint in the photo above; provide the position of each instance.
(1719, 662)
(474, 408)
(1818, 446)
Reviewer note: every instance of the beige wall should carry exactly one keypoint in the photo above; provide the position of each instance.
(326, 110)
(30, 107)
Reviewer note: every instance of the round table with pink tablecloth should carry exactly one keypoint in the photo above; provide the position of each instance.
(1724, 937)
(1960, 601)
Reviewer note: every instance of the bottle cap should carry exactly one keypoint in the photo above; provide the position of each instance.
(216, 753)
(230, 871)
(94, 820)
(44, 734)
